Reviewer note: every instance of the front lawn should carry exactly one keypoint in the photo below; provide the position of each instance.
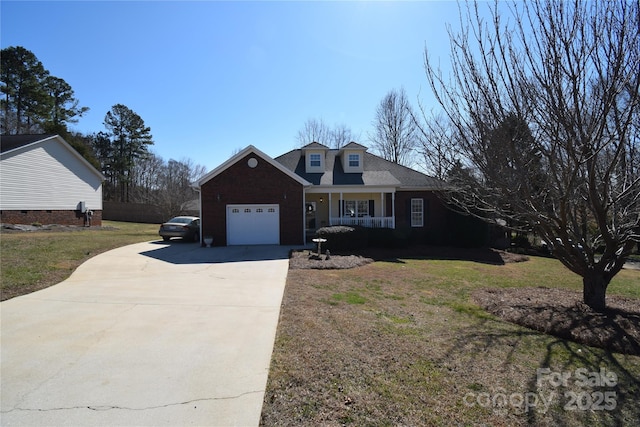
(404, 343)
(33, 260)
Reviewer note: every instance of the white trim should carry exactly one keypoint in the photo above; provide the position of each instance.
(349, 189)
(421, 212)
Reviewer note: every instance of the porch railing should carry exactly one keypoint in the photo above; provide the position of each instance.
(365, 221)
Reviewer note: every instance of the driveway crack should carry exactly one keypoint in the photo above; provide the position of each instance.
(99, 408)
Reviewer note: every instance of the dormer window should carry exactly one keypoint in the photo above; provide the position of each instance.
(354, 160)
(315, 161)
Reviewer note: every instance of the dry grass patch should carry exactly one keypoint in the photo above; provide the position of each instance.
(402, 343)
(43, 256)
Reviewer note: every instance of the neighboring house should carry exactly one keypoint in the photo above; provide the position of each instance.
(45, 180)
(255, 199)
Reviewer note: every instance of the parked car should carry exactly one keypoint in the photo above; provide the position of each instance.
(186, 227)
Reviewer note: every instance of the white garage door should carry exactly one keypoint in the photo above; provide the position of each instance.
(253, 225)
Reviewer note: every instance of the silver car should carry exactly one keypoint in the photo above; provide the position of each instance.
(185, 227)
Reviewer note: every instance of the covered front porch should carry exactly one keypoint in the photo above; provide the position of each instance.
(354, 208)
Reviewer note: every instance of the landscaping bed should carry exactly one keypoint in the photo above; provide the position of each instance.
(309, 259)
(561, 313)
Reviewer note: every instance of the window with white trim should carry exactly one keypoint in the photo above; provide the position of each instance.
(417, 212)
(354, 160)
(315, 160)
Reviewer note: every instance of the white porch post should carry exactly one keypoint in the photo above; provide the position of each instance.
(340, 214)
(330, 207)
(393, 208)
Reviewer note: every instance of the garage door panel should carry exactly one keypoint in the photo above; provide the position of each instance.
(253, 224)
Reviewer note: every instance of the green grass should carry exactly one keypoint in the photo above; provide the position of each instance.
(349, 297)
(35, 260)
(403, 343)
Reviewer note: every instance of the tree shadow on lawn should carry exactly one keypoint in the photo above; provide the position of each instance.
(569, 383)
(561, 313)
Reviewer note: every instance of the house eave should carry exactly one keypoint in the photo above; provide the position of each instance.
(251, 149)
(351, 189)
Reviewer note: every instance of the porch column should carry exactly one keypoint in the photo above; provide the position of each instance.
(340, 205)
(330, 207)
(304, 217)
(393, 208)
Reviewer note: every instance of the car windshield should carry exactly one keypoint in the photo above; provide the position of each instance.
(180, 220)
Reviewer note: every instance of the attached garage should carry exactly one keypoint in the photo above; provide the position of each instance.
(252, 200)
(253, 224)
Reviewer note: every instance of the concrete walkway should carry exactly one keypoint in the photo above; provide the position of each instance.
(151, 334)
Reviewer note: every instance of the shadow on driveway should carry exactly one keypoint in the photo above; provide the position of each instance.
(177, 252)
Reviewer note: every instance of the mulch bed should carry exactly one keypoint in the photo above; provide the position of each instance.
(561, 313)
(309, 259)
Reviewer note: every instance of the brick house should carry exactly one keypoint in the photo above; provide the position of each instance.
(45, 180)
(255, 199)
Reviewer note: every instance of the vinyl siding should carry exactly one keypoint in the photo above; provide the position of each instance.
(47, 176)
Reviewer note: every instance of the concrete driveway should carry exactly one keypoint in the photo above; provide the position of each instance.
(148, 334)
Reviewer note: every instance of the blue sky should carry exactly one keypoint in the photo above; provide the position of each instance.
(211, 77)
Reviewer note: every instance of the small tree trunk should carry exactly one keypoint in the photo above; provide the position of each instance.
(594, 291)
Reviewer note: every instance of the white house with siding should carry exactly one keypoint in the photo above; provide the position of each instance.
(45, 180)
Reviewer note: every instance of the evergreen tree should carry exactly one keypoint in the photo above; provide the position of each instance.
(129, 138)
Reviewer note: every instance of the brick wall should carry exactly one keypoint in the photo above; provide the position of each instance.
(435, 216)
(263, 184)
(49, 217)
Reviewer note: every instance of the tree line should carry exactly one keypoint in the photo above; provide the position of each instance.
(34, 102)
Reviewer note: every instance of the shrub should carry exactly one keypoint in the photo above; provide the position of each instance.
(343, 238)
(521, 241)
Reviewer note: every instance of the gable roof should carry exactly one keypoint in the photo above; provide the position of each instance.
(315, 146)
(250, 149)
(13, 143)
(376, 171)
(354, 146)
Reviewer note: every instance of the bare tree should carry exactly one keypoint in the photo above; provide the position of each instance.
(315, 130)
(545, 110)
(340, 135)
(394, 136)
(436, 152)
(165, 185)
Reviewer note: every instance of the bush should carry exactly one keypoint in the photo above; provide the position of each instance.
(521, 241)
(343, 238)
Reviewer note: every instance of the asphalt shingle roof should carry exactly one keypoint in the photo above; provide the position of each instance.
(11, 142)
(376, 171)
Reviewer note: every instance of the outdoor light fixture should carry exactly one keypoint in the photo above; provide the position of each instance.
(320, 199)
